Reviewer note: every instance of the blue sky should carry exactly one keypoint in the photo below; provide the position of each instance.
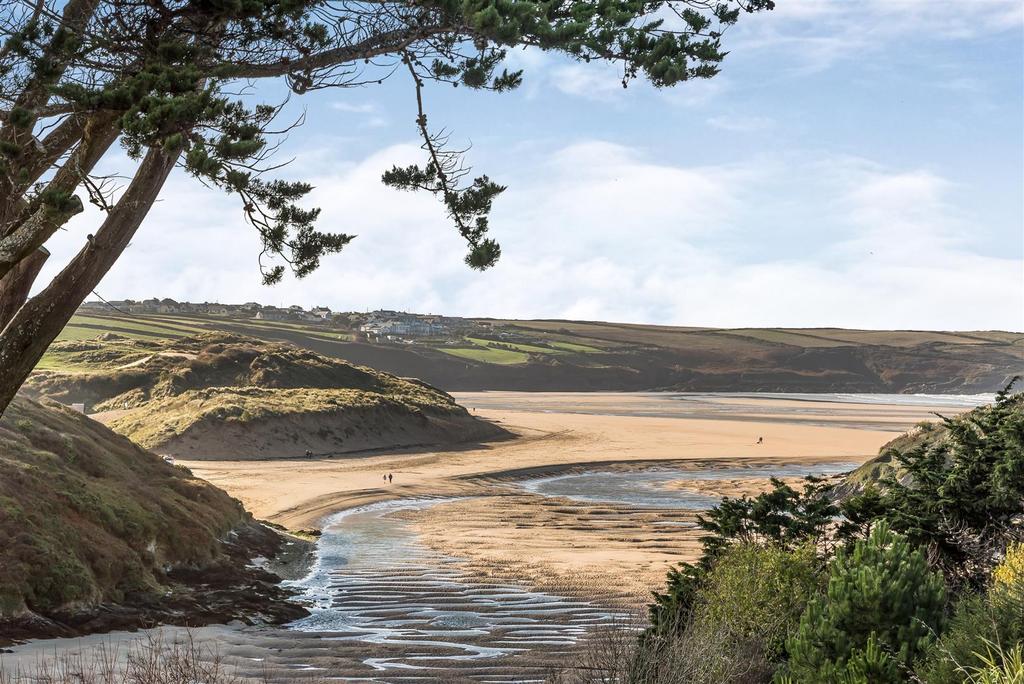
(857, 163)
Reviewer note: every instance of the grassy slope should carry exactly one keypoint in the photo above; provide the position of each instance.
(223, 395)
(578, 355)
(921, 435)
(88, 516)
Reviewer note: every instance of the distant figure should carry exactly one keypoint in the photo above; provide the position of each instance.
(389, 478)
(760, 440)
(385, 478)
(309, 453)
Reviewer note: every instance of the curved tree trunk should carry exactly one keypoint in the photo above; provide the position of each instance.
(37, 323)
(15, 286)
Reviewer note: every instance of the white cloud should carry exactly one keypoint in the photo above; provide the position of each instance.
(820, 32)
(599, 231)
(371, 118)
(595, 81)
(698, 92)
(737, 123)
(354, 107)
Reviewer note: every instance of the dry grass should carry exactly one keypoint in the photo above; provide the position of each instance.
(152, 660)
(153, 424)
(87, 515)
(166, 389)
(619, 655)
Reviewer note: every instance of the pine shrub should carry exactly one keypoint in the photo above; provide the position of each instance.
(882, 608)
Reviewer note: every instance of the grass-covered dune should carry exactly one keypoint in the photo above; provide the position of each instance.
(99, 533)
(220, 395)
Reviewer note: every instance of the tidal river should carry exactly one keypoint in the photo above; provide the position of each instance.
(609, 480)
(412, 614)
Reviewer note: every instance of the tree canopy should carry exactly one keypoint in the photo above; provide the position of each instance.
(165, 79)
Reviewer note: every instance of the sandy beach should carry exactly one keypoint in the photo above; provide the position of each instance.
(501, 530)
(506, 534)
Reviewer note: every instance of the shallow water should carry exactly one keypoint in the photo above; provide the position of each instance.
(417, 610)
(412, 612)
(949, 400)
(649, 488)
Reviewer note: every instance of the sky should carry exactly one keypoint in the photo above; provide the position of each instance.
(857, 163)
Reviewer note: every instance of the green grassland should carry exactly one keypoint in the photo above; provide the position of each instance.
(517, 346)
(576, 355)
(578, 348)
(501, 357)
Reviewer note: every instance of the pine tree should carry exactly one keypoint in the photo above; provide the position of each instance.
(882, 607)
(164, 78)
(959, 494)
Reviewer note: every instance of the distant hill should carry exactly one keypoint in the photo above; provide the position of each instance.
(100, 534)
(222, 395)
(580, 355)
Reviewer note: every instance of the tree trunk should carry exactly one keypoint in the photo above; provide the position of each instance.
(15, 286)
(27, 336)
(19, 240)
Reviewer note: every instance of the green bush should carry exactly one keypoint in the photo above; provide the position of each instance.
(983, 629)
(747, 601)
(958, 493)
(882, 607)
(756, 595)
(782, 517)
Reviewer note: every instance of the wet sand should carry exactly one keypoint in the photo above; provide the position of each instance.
(507, 534)
(593, 429)
(500, 529)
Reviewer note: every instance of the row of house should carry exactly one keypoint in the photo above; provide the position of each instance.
(376, 326)
(247, 310)
(397, 324)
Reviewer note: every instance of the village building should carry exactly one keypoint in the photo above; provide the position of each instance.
(271, 313)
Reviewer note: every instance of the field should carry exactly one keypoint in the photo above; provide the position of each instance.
(584, 355)
(486, 354)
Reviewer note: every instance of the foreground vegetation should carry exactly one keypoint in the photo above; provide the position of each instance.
(100, 534)
(918, 577)
(153, 659)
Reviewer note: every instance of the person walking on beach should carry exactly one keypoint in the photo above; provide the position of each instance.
(389, 478)
(385, 478)
(760, 440)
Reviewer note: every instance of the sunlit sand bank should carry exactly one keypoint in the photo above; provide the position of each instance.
(499, 528)
(513, 526)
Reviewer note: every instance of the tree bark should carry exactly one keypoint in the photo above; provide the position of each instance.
(20, 238)
(15, 286)
(38, 322)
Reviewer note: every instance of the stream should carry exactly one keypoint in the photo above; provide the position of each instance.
(374, 583)
(647, 488)
(419, 616)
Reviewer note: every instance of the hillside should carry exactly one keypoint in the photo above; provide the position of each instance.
(218, 395)
(576, 356)
(100, 534)
(927, 435)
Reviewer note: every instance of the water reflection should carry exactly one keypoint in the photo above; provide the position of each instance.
(650, 488)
